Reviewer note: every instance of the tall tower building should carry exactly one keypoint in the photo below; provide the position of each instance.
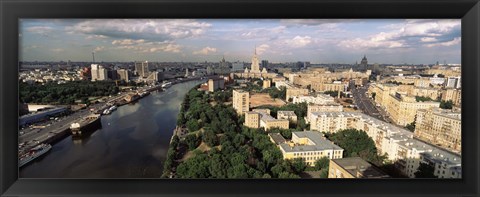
(364, 63)
(98, 72)
(255, 67)
(124, 75)
(94, 72)
(142, 69)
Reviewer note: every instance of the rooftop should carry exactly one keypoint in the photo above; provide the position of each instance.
(359, 168)
(277, 138)
(316, 143)
(286, 113)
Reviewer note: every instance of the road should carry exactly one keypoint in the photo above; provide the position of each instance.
(363, 102)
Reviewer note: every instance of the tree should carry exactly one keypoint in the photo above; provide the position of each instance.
(322, 163)
(425, 171)
(298, 165)
(324, 173)
(411, 126)
(193, 125)
(210, 138)
(446, 104)
(357, 143)
(191, 141)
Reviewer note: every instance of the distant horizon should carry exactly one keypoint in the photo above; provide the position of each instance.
(246, 62)
(343, 41)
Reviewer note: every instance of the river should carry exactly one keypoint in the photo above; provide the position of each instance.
(132, 142)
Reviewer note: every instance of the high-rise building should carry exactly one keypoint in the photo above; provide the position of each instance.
(113, 74)
(364, 63)
(215, 84)
(255, 67)
(241, 101)
(124, 75)
(98, 72)
(264, 63)
(142, 69)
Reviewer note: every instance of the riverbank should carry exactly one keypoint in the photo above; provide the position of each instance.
(132, 142)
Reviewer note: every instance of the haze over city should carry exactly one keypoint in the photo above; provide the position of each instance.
(389, 41)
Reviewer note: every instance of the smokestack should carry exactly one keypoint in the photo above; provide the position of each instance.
(93, 55)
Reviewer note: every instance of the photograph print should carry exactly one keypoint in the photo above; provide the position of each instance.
(240, 98)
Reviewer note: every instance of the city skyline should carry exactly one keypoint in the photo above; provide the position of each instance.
(386, 41)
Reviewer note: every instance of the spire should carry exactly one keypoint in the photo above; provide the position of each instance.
(223, 59)
(255, 49)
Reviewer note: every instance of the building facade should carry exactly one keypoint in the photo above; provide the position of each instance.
(310, 146)
(440, 127)
(402, 109)
(241, 101)
(215, 84)
(397, 143)
(287, 115)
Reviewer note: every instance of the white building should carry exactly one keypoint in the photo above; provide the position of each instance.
(318, 99)
(398, 143)
(98, 72)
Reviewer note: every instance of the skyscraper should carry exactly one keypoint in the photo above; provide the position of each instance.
(98, 72)
(142, 69)
(255, 67)
(364, 63)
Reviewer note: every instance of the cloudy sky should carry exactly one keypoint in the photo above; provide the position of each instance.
(317, 41)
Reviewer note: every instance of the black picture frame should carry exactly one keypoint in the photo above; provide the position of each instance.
(11, 11)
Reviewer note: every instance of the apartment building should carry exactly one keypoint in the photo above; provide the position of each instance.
(308, 145)
(287, 115)
(261, 118)
(402, 109)
(440, 127)
(327, 107)
(315, 99)
(455, 95)
(397, 143)
(241, 101)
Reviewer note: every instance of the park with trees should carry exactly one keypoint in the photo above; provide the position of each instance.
(65, 93)
(217, 145)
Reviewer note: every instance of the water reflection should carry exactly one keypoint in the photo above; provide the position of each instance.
(132, 142)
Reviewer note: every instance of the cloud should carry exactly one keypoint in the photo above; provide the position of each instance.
(99, 48)
(409, 34)
(127, 42)
(314, 22)
(174, 48)
(262, 48)
(96, 37)
(205, 51)
(152, 47)
(136, 29)
(39, 29)
(263, 33)
(428, 39)
(298, 41)
(455, 41)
